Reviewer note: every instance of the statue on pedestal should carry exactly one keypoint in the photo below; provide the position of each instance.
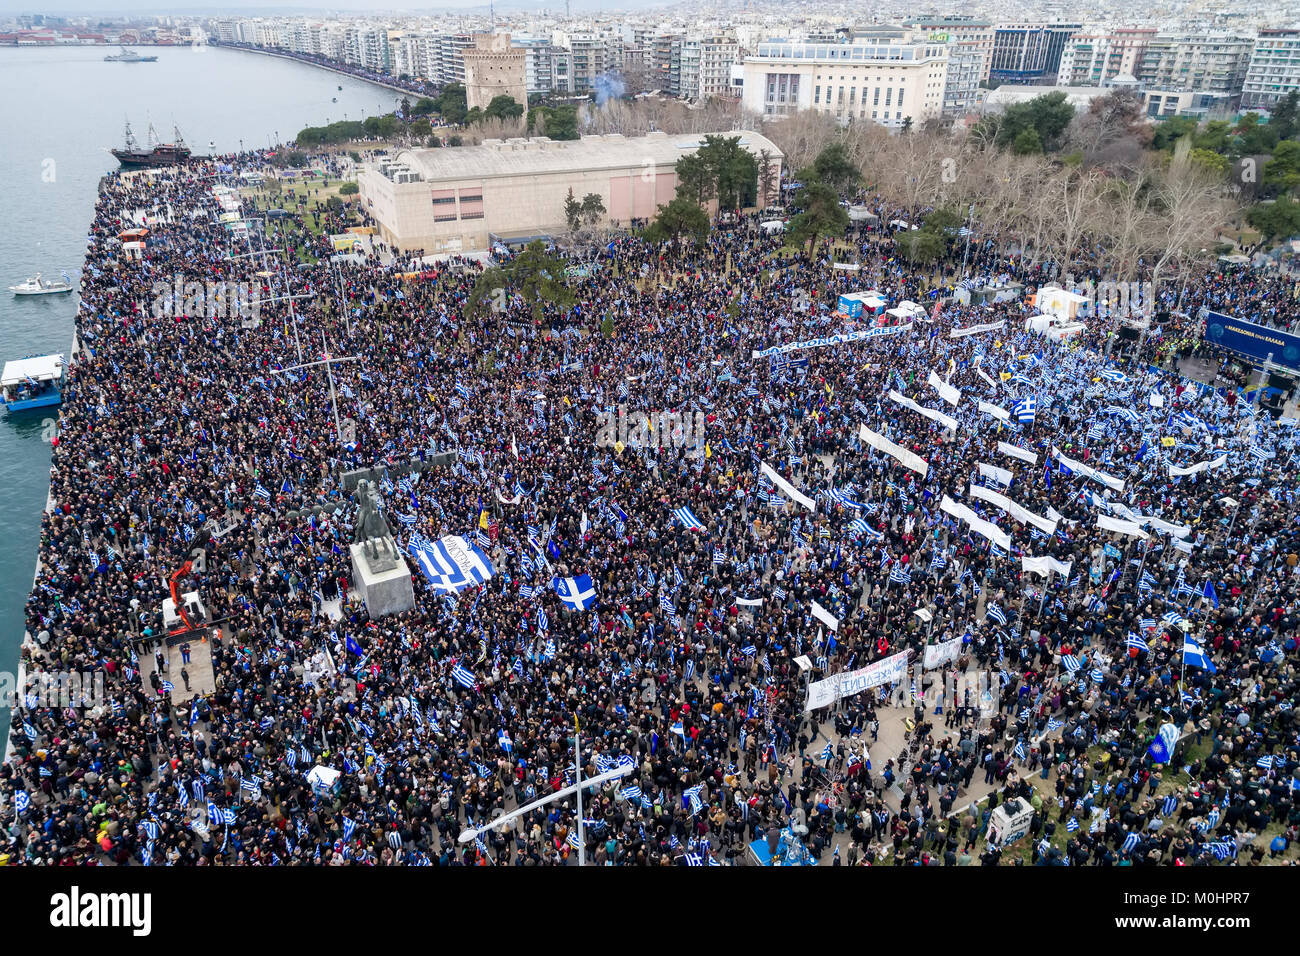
(372, 531)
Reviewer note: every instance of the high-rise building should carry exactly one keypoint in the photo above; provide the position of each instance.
(965, 33)
(890, 77)
(1274, 69)
(1029, 53)
(1094, 57)
(1208, 62)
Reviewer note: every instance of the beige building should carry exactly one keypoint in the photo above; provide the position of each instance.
(889, 79)
(460, 199)
(494, 68)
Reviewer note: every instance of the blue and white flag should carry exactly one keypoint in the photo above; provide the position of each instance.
(577, 593)
(688, 519)
(1024, 410)
(1162, 747)
(1195, 656)
(451, 563)
(463, 677)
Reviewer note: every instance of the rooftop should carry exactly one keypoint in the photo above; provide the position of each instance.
(537, 155)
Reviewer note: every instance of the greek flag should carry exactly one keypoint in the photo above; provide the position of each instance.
(1113, 375)
(1072, 824)
(1194, 655)
(578, 593)
(900, 575)
(1134, 641)
(631, 793)
(994, 612)
(262, 493)
(1024, 410)
(451, 563)
(543, 622)
(688, 519)
(463, 677)
(1130, 843)
(1070, 663)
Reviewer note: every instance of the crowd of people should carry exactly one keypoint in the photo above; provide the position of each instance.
(177, 429)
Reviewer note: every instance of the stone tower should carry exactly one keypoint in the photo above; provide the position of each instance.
(494, 68)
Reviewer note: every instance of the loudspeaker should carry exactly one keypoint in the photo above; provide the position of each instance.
(1283, 382)
(1130, 335)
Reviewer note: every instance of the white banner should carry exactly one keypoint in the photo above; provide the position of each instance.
(1015, 451)
(1197, 468)
(749, 602)
(1046, 565)
(937, 655)
(988, 408)
(987, 327)
(825, 616)
(987, 528)
(1000, 475)
(1107, 523)
(790, 490)
(843, 338)
(1010, 507)
(888, 670)
(881, 443)
(1087, 471)
(946, 420)
(949, 394)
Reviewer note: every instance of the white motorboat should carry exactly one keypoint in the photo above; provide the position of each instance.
(39, 286)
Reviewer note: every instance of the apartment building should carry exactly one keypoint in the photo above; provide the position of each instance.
(1095, 57)
(1274, 68)
(964, 33)
(891, 78)
(1208, 62)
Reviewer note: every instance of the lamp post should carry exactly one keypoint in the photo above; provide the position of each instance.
(471, 833)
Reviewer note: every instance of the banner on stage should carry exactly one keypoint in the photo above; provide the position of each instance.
(888, 670)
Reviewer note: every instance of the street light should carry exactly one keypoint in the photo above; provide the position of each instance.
(470, 834)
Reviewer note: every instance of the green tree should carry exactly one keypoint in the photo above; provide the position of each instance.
(420, 128)
(451, 104)
(681, 217)
(1048, 116)
(1254, 137)
(562, 123)
(1027, 142)
(694, 178)
(572, 212)
(593, 208)
(1282, 171)
(607, 327)
(372, 125)
(1215, 136)
(833, 167)
(821, 215)
(922, 246)
(389, 126)
(1171, 130)
(535, 275)
(424, 106)
(732, 170)
(1275, 220)
(474, 116)
(1211, 162)
(1284, 118)
(348, 189)
(406, 109)
(503, 107)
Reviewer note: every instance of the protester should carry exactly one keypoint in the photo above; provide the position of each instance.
(445, 716)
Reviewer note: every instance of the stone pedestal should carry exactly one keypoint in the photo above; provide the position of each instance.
(385, 592)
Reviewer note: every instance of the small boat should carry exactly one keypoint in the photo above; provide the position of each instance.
(129, 56)
(34, 382)
(340, 87)
(39, 286)
(334, 100)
